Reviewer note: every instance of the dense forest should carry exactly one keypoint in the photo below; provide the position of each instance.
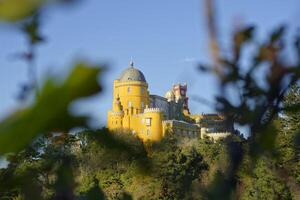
(96, 165)
(49, 158)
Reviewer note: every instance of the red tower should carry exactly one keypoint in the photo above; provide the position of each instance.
(180, 93)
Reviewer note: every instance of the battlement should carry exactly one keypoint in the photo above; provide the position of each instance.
(213, 115)
(218, 133)
(148, 110)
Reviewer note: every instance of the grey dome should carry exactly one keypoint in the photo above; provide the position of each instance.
(132, 74)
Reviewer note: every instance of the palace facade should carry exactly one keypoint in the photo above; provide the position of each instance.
(150, 117)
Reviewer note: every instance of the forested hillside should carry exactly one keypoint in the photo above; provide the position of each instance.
(101, 165)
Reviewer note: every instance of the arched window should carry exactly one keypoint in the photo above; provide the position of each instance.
(129, 104)
(128, 89)
(142, 104)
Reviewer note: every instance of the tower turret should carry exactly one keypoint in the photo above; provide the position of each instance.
(117, 107)
(180, 93)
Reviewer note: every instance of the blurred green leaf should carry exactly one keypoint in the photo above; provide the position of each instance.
(244, 35)
(17, 10)
(14, 10)
(50, 111)
(31, 29)
(277, 34)
(204, 68)
(266, 139)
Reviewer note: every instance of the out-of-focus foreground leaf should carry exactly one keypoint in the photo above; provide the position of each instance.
(32, 30)
(13, 10)
(16, 10)
(50, 111)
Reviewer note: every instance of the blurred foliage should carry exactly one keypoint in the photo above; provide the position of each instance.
(31, 29)
(258, 97)
(264, 96)
(50, 110)
(13, 10)
(18, 10)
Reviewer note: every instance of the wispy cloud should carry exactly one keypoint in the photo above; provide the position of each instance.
(189, 60)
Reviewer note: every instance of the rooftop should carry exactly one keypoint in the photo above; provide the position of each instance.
(132, 74)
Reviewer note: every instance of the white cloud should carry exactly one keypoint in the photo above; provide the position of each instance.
(189, 60)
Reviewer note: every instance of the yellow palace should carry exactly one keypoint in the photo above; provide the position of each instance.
(150, 117)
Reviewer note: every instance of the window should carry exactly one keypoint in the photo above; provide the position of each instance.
(148, 132)
(142, 90)
(142, 104)
(128, 89)
(129, 104)
(148, 121)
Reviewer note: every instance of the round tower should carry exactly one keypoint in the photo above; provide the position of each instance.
(152, 124)
(132, 89)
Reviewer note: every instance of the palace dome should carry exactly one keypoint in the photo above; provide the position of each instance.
(132, 74)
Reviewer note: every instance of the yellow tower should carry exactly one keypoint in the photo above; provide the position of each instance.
(151, 126)
(115, 117)
(131, 90)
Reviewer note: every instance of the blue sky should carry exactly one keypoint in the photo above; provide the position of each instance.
(165, 38)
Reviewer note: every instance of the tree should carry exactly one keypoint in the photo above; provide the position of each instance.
(264, 184)
(288, 145)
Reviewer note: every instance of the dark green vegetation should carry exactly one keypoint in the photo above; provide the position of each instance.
(81, 166)
(99, 165)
